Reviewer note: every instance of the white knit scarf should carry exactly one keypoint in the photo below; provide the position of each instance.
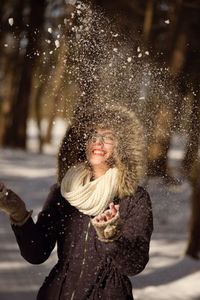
(89, 197)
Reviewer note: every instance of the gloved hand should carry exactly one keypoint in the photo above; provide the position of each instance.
(13, 206)
(108, 225)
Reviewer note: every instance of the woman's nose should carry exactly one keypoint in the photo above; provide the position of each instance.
(99, 140)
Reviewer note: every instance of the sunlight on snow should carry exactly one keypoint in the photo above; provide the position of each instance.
(28, 172)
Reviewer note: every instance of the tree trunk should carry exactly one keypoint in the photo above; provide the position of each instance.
(13, 65)
(148, 19)
(167, 117)
(57, 88)
(194, 133)
(2, 4)
(39, 115)
(160, 141)
(16, 134)
(193, 248)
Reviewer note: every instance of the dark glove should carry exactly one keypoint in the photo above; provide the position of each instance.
(13, 206)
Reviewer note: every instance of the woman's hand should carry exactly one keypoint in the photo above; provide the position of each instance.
(13, 206)
(108, 225)
(108, 214)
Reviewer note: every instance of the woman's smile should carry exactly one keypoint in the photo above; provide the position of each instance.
(99, 152)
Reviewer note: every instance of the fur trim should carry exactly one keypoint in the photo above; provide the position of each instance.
(129, 153)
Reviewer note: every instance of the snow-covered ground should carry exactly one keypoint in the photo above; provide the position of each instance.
(169, 274)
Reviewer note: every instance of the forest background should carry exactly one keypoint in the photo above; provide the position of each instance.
(146, 54)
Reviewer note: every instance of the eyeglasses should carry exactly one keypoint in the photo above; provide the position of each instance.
(106, 139)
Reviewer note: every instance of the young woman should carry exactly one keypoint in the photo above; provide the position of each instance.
(98, 215)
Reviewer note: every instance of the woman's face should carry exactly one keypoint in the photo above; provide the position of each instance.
(99, 148)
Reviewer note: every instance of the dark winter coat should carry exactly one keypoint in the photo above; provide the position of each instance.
(89, 267)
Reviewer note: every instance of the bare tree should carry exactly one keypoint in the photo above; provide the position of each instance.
(193, 247)
(12, 63)
(16, 131)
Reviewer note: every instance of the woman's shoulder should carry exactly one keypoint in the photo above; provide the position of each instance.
(140, 198)
(54, 197)
(56, 201)
(141, 193)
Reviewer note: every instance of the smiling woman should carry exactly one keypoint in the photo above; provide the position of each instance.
(99, 216)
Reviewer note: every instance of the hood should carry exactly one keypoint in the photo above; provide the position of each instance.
(129, 156)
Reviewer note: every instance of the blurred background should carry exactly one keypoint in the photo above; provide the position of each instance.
(56, 54)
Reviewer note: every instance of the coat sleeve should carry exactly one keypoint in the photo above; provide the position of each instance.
(130, 252)
(36, 241)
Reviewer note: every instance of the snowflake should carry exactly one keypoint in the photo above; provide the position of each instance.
(11, 21)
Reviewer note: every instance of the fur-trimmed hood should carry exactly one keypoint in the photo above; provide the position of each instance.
(129, 156)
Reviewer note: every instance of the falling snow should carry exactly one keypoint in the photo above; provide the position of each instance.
(11, 21)
(57, 43)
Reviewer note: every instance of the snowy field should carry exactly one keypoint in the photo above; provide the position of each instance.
(169, 274)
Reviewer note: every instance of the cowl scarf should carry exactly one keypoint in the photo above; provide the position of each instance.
(89, 197)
